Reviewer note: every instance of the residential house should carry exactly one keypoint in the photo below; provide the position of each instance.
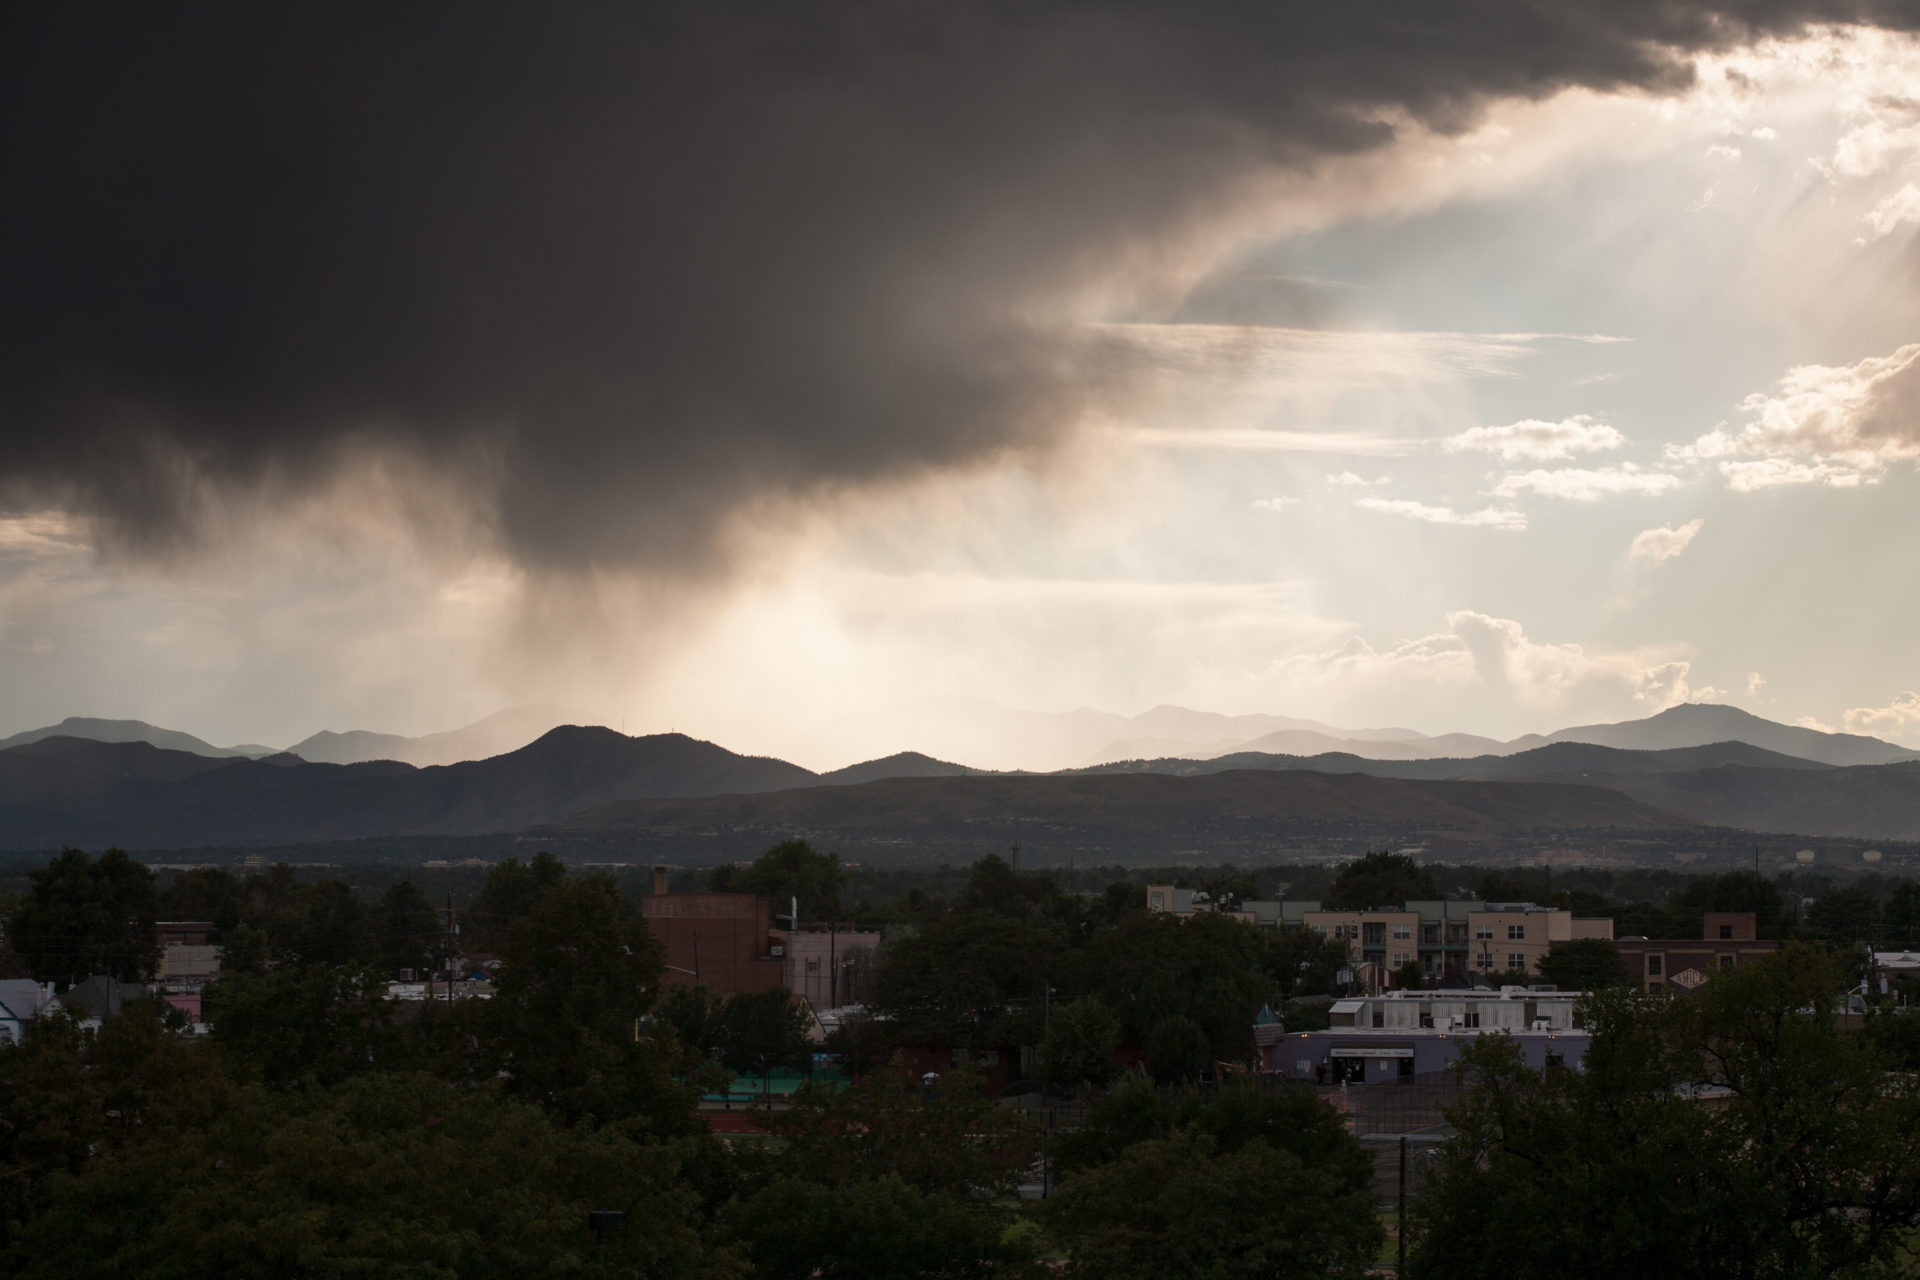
(21, 1001)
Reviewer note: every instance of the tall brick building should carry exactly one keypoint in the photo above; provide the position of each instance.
(725, 940)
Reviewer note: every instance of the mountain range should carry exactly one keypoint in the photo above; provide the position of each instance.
(61, 788)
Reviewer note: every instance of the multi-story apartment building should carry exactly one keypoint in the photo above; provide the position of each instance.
(1445, 938)
(1452, 938)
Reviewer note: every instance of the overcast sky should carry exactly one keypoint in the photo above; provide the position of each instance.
(774, 378)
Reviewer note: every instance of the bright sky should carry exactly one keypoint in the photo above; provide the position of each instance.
(1610, 403)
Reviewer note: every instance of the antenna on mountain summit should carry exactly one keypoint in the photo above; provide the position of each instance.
(1016, 857)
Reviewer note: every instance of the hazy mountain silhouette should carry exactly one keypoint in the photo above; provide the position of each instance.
(905, 764)
(499, 733)
(1696, 724)
(96, 730)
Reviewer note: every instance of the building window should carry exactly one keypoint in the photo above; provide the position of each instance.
(1653, 966)
(1726, 962)
(1399, 958)
(1726, 931)
(1471, 1020)
(1320, 929)
(1157, 902)
(1483, 961)
(813, 966)
(1403, 931)
(1516, 959)
(1430, 935)
(1483, 931)
(1516, 933)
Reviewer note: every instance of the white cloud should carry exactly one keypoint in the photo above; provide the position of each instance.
(1486, 518)
(1899, 718)
(1895, 211)
(1347, 479)
(1721, 151)
(1764, 133)
(1835, 425)
(1479, 652)
(1539, 441)
(1887, 136)
(1755, 682)
(1274, 504)
(1815, 723)
(1661, 544)
(1586, 485)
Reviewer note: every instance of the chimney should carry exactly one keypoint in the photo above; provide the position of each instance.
(659, 879)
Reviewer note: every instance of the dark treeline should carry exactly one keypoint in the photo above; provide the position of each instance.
(323, 1129)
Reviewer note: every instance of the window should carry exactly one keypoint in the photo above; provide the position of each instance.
(1471, 1019)
(1483, 961)
(1430, 935)
(1653, 966)
(1483, 931)
(1376, 934)
(1403, 931)
(1516, 959)
(1726, 962)
(1399, 958)
(1320, 929)
(813, 966)
(1516, 933)
(1726, 931)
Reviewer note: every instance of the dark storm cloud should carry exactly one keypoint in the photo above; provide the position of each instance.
(656, 261)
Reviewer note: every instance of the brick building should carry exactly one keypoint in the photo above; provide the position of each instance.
(725, 940)
(1727, 941)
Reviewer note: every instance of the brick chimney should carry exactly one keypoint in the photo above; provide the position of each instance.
(659, 879)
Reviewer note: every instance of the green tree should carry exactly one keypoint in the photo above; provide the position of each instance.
(766, 1031)
(509, 893)
(952, 1138)
(85, 916)
(1080, 1040)
(874, 1229)
(317, 1025)
(791, 869)
(993, 885)
(397, 1175)
(1585, 964)
(1377, 880)
(407, 930)
(1732, 891)
(1410, 976)
(564, 1023)
(1211, 970)
(1800, 1166)
(955, 979)
(211, 894)
(1181, 1207)
(1177, 1049)
(1843, 915)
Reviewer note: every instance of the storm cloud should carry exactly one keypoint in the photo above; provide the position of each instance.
(622, 274)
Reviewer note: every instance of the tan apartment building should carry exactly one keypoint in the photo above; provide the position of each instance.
(1455, 937)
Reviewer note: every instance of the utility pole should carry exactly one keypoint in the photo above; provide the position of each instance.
(1401, 1229)
(1016, 857)
(448, 945)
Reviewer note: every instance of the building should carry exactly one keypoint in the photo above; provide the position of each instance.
(1404, 1034)
(1727, 940)
(1447, 939)
(1451, 939)
(723, 940)
(21, 1001)
(188, 959)
(829, 967)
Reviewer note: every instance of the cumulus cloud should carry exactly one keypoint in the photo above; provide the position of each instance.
(1534, 440)
(628, 274)
(1661, 544)
(1274, 504)
(1485, 518)
(1895, 211)
(1586, 485)
(1480, 652)
(1834, 425)
(1347, 479)
(1898, 719)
